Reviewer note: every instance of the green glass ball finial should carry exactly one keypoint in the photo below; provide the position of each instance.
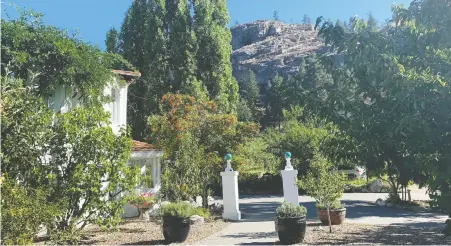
(287, 155)
(228, 157)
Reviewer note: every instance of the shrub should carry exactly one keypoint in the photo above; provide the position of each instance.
(177, 209)
(334, 205)
(23, 211)
(289, 210)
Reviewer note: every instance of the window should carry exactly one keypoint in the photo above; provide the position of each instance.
(115, 107)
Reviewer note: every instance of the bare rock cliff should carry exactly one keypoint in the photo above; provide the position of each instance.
(272, 47)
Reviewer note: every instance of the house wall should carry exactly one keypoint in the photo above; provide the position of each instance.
(63, 101)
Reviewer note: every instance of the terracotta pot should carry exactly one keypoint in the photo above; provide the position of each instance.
(337, 216)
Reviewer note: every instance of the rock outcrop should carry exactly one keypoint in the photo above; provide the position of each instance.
(272, 47)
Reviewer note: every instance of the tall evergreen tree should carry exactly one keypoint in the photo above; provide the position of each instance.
(275, 15)
(250, 94)
(214, 67)
(181, 51)
(143, 43)
(275, 102)
(111, 41)
(372, 22)
(306, 20)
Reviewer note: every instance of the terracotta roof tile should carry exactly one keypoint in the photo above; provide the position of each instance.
(127, 73)
(141, 146)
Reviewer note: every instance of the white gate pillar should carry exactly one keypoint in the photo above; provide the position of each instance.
(230, 192)
(289, 178)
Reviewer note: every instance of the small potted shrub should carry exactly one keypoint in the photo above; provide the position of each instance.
(143, 202)
(176, 221)
(337, 213)
(291, 223)
(326, 186)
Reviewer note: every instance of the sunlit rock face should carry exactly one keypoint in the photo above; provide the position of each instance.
(272, 47)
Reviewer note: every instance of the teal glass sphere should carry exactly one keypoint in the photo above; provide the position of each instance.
(228, 157)
(287, 154)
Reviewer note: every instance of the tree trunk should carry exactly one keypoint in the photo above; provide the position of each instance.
(205, 197)
(328, 219)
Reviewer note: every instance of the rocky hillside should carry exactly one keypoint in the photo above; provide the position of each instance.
(271, 47)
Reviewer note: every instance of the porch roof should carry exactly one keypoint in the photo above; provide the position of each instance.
(144, 150)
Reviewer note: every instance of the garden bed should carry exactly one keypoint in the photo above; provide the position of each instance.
(137, 232)
(353, 233)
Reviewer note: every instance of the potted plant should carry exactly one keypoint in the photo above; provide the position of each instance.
(143, 202)
(326, 186)
(291, 223)
(176, 221)
(337, 213)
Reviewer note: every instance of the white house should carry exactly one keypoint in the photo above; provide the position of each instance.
(143, 154)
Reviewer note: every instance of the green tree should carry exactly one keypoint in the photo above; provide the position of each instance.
(181, 53)
(249, 91)
(323, 183)
(30, 48)
(195, 136)
(306, 20)
(394, 101)
(372, 22)
(143, 42)
(214, 67)
(275, 102)
(275, 15)
(111, 41)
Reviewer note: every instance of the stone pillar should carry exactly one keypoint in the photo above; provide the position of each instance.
(289, 178)
(230, 192)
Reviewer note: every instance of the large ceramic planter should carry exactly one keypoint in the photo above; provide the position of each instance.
(291, 230)
(175, 229)
(337, 216)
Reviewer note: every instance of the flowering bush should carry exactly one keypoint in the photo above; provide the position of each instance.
(144, 199)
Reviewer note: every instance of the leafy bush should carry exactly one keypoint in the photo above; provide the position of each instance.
(204, 212)
(23, 211)
(179, 209)
(289, 210)
(334, 205)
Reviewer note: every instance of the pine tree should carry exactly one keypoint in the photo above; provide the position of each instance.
(275, 15)
(372, 22)
(250, 93)
(214, 67)
(275, 102)
(111, 41)
(306, 20)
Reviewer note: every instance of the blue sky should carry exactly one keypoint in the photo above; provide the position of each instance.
(93, 18)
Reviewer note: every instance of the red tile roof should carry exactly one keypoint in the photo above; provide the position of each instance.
(127, 73)
(141, 146)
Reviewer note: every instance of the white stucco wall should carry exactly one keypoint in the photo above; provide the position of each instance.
(63, 101)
